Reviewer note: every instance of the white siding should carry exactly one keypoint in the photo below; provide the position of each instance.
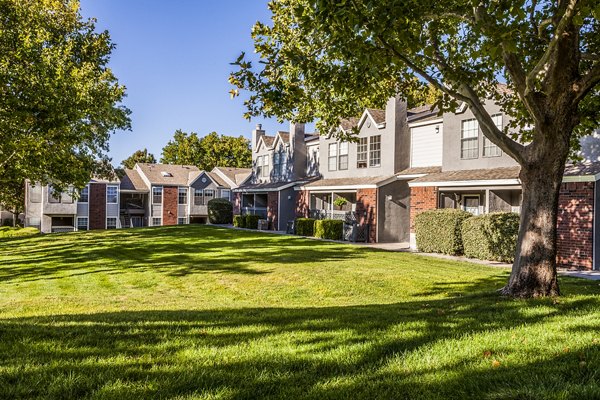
(426, 146)
(112, 210)
(82, 209)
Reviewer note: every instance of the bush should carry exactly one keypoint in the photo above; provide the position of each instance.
(305, 226)
(8, 232)
(491, 236)
(329, 229)
(239, 221)
(252, 221)
(440, 231)
(220, 211)
(7, 222)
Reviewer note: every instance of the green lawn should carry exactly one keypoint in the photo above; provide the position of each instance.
(205, 313)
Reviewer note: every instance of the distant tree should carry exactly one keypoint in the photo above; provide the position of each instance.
(12, 196)
(183, 149)
(225, 151)
(59, 101)
(208, 152)
(140, 156)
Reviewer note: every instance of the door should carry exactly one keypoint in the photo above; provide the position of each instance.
(137, 222)
(471, 204)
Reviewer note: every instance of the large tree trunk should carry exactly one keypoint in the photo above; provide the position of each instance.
(534, 269)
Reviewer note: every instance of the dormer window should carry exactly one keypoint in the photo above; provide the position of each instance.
(166, 174)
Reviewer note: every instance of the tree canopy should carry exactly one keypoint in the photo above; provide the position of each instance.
(59, 101)
(139, 156)
(538, 59)
(213, 150)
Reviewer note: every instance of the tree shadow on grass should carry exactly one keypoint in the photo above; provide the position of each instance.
(401, 350)
(176, 251)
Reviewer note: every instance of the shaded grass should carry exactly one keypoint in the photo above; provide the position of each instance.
(204, 312)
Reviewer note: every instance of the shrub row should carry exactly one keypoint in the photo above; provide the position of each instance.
(220, 211)
(305, 226)
(456, 232)
(246, 221)
(329, 229)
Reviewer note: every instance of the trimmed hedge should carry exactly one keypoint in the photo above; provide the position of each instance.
(329, 229)
(8, 232)
(220, 211)
(491, 236)
(239, 221)
(252, 221)
(305, 226)
(440, 231)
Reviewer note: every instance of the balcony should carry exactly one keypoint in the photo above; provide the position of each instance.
(60, 208)
(347, 216)
(260, 211)
(198, 210)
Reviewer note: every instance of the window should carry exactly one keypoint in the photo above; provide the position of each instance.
(182, 199)
(180, 221)
(111, 223)
(82, 223)
(259, 167)
(489, 148)
(53, 195)
(375, 151)
(361, 153)
(111, 194)
(36, 222)
(332, 160)
(209, 194)
(343, 156)
(265, 166)
(469, 139)
(157, 195)
(471, 204)
(198, 197)
(279, 161)
(226, 194)
(156, 221)
(84, 195)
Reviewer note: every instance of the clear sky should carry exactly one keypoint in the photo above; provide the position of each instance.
(173, 56)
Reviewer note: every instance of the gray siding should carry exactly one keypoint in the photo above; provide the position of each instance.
(451, 160)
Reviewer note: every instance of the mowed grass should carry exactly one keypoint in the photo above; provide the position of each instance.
(209, 313)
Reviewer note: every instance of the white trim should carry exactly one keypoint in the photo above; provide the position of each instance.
(363, 118)
(467, 183)
(594, 231)
(581, 178)
(260, 190)
(336, 188)
(232, 184)
(424, 123)
(278, 209)
(455, 189)
(409, 176)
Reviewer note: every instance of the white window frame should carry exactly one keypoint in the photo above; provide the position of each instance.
(343, 154)
(116, 221)
(473, 195)
(181, 221)
(489, 148)
(161, 194)
(228, 191)
(87, 190)
(362, 153)
(199, 193)
(87, 223)
(265, 165)
(179, 193)
(116, 194)
(332, 156)
(373, 163)
(473, 131)
(153, 220)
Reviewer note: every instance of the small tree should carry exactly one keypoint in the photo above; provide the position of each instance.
(140, 156)
(331, 59)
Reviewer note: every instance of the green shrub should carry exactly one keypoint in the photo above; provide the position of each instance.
(491, 236)
(329, 229)
(440, 231)
(220, 211)
(18, 232)
(305, 226)
(239, 221)
(252, 221)
(7, 222)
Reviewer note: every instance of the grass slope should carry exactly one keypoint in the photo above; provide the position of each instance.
(208, 313)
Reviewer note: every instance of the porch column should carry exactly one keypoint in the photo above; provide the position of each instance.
(487, 201)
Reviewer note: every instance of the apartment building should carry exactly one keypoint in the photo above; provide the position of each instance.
(147, 195)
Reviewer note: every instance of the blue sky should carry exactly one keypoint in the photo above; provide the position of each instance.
(174, 57)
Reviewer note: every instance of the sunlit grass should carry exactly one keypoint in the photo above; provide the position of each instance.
(205, 313)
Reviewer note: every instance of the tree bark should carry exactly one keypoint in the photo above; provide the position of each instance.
(534, 269)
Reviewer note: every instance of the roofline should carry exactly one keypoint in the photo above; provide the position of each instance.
(409, 176)
(217, 171)
(258, 190)
(363, 118)
(480, 182)
(337, 187)
(424, 123)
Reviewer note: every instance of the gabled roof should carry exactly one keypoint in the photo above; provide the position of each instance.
(232, 177)
(168, 174)
(132, 181)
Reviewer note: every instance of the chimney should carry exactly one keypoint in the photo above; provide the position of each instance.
(298, 149)
(256, 135)
(396, 120)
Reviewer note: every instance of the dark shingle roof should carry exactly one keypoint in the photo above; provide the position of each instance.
(378, 115)
(133, 181)
(471, 175)
(236, 175)
(168, 174)
(341, 182)
(420, 170)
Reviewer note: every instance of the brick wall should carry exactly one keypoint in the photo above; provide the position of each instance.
(422, 199)
(273, 209)
(97, 206)
(366, 208)
(302, 203)
(237, 203)
(170, 200)
(575, 241)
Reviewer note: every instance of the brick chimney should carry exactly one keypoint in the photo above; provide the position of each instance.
(298, 150)
(396, 118)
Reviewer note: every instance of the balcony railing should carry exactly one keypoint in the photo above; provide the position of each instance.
(347, 216)
(63, 229)
(260, 211)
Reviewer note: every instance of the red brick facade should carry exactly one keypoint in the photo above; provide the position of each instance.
(170, 200)
(273, 209)
(422, 199)
(575, 239)
(302, 203)
(366, 209)
(97, 206)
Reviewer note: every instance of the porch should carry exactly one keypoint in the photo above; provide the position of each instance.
(479, 201)
(255, 204)
(133, 210)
